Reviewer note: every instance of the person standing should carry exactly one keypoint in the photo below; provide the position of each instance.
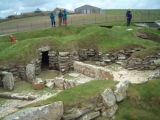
(128, 17)
(52, 17)
(60, 17)
(65, 17)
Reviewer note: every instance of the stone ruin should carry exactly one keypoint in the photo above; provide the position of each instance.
(65, 61)
(106, 104)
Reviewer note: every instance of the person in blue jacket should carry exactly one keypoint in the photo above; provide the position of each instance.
(65, 17)
(128, 16)
(52, 17)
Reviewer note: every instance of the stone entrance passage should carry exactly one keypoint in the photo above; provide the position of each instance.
(45, 60)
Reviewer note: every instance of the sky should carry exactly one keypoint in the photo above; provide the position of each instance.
(12, 7)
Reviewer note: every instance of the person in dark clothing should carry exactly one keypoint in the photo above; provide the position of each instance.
(60, 17)
(128, 16)
(64, 17)
(52, 17)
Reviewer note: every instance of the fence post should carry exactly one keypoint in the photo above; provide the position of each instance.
(106, 18)
(71, 21)
(95, 18)
(45, 24)
(83, 21)
(2, 29)
(17, 27)
(31, 25)
(154, 17)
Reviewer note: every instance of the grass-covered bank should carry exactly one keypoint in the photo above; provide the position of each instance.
(81, 93)
(142, 102)
(75, 37)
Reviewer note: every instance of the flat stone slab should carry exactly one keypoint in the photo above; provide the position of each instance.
(74, 74)
(122, 72)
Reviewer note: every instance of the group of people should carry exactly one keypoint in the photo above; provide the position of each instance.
(62, 16)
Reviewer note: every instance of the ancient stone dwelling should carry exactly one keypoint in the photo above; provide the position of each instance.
(64, 61)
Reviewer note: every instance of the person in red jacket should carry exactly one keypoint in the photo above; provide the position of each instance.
(12, 38)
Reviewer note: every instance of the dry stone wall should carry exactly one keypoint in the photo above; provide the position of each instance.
(93, 71)
(147, 63)
(118, 57)
(63, 61)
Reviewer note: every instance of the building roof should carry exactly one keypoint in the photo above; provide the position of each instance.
(37, 10)
(87, 7)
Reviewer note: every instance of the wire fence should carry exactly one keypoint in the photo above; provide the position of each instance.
(75, 21)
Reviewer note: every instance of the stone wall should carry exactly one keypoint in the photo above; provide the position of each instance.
(89, 54)
(93, 71)
(63, 61)
(118, 57)
(147, 63)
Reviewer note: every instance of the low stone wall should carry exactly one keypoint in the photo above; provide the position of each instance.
(118, 57)
(105, 105)
(89, 54)
(147, 63)
(92, 71)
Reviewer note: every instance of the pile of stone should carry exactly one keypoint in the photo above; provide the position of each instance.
(105, 106)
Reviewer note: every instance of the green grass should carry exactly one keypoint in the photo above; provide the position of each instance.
(27, 88)
(81, 93)
(142, 103)
(72, 38)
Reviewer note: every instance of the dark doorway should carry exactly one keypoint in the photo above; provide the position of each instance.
(106, 26)
(45, 60)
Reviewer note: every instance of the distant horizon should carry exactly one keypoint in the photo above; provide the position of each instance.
(8, 7)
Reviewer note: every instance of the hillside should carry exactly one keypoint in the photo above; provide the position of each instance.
(74, 38)
(143, 99)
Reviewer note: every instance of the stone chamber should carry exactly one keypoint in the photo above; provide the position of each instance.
(64, 62)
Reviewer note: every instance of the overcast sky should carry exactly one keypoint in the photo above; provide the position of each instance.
(10, 7)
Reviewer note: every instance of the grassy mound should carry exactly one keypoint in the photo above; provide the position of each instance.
(72, 38)
(142, 102)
